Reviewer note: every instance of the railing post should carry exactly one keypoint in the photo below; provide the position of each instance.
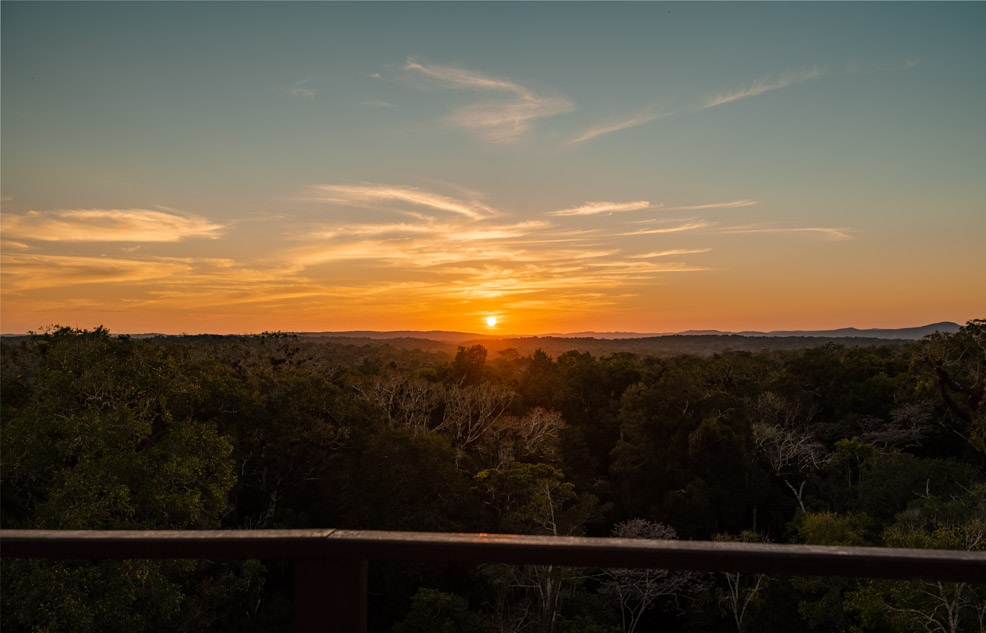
(330, 595)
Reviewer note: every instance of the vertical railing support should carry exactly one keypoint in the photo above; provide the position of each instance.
(330, 595)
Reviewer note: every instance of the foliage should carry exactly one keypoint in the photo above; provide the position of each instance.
(637, 590)
(837, 443)
(95, 447)
(434, 611)
(958, 365)
(934, 523)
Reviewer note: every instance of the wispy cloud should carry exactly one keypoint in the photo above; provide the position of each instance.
(377, 104)
(671, 253)
(405, 249)
(298, 89)
(735, 204)
(597, 208)
(453, 259)
(615, 126)
(33, 272)
(149, 281)
(504, 120)
(766, 84)
(689, 225)
(107, 225)
(464, 232)
(649, 268)
(829, 232)
(372, 195)
(759, 86)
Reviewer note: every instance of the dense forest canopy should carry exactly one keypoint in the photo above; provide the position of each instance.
(878, 444)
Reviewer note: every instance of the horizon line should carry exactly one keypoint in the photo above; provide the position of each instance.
(575, 334)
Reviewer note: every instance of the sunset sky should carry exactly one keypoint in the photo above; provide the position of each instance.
(237, 167)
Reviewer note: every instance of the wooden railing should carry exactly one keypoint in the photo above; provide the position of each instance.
(330, 565)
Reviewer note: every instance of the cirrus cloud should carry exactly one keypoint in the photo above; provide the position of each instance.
(502, 120)
(597, 208)
(828, 232)
(372, 195)
(108, 225)
(615, 126)
(766, 84)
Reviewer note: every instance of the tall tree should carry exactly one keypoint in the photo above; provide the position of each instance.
(958, 365)
(536, 499)
(934, 607)
(637, 590)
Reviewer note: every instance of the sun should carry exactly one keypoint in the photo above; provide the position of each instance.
(491, 321)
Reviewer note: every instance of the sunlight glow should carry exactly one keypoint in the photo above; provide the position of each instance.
(491, 321)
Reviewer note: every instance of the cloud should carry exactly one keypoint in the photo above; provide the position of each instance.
(735, 204)
(596, 208)
(831, 233)
(404, 250)
(671, 253)
(371, 195)
(504, 120)
(377, 104)
(24, 272)
(616, 126)
(689, 225)
(457, 258)
(107, 225)
(299, 90)
(465, 79)
(649, 268)
(132, 283)
(404, 229)
(766, 84)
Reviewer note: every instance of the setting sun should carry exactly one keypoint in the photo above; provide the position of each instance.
(491, 321)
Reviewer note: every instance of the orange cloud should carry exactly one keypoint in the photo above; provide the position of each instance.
(107, 225)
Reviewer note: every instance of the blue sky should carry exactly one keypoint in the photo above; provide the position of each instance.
(250, 166)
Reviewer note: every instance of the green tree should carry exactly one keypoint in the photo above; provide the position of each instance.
(957, 364)
(395, 481)
(637, 590)
(534, 499)
(94, 446)
(469, 365)
(931, 522)
(434, 611)
(742, 595)
(824, 601)
(685, 450)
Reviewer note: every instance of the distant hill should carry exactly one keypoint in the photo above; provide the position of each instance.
(602, 343)
(911, 334)
(430, 335)
(908, 333)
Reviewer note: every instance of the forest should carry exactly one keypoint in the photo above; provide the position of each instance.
(879, 444)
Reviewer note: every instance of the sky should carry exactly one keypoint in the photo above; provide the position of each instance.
(240, 167)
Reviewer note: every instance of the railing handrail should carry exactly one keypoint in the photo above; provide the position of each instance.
(785, 559)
